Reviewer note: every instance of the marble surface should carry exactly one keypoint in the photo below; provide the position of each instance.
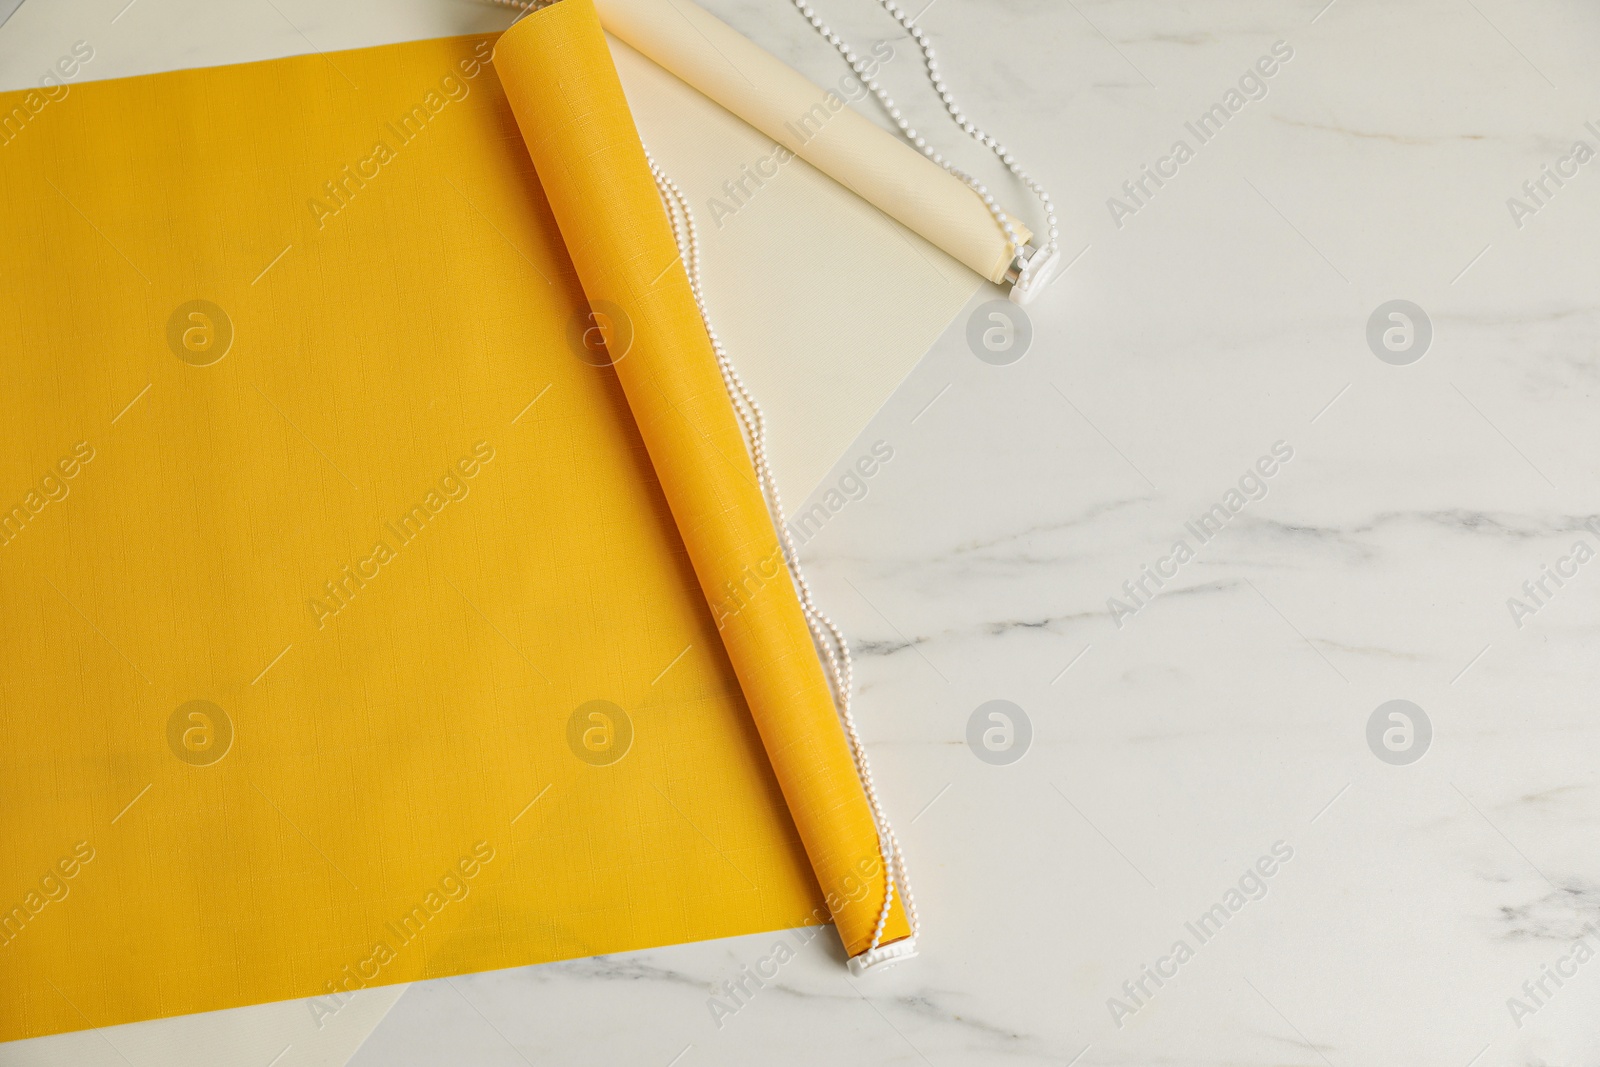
(1193, 736)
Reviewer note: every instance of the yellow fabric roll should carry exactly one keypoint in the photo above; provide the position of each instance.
(319, 544)
(817, 125)
(570, 106)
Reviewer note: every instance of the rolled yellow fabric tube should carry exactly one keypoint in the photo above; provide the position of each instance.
(817, 125)
(568, 101)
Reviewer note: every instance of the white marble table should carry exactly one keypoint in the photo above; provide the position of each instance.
(1414, 911)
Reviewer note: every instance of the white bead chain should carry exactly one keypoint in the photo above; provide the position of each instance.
(859, 65)
(828, 637)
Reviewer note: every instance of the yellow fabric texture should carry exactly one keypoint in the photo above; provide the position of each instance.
(569, 103)
(319, 544)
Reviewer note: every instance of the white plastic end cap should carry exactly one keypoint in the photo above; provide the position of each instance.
(883, 956)
(1041, 271)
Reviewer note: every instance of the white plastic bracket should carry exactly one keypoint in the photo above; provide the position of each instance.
(883, 956)
(1041, 270)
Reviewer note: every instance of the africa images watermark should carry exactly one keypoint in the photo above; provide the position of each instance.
(1537, 192)
(1252, 886)
(851, 486)
(733, 995)
(53, 888)
(740, 591)
(752, 177)
(1252, 486)
(340, 591)
(1537, 591)
(54, 486)
(52, 89)
(454, 885)
(752, 578)
(1252, 86)
(338, 193)
(1537, 992)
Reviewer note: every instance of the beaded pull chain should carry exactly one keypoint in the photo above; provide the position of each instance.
(1046, 254)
